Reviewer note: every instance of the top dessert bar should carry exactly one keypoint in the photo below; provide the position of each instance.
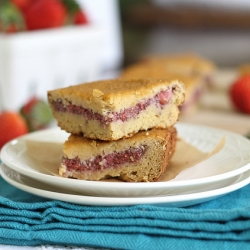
(112, 109)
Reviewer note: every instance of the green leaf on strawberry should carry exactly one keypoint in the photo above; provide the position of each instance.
(75, 15)
(11, 18)
(71, 5)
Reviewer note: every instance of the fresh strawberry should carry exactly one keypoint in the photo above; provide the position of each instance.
(240, 94)
(80, 18)
(12, 125)
(11, 18)
(22, 4)
(42, 14)
(75, 15)
(37, 114)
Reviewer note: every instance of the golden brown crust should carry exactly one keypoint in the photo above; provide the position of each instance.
(194, 71)
(160, 143)
(184, 63)
(106, 97)
(113, 95)
(140, 70)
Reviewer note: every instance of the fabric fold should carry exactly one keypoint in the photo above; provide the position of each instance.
(26, 219)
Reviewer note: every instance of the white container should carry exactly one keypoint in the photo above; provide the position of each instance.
(31, 63)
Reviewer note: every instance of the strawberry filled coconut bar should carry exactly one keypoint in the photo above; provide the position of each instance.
(141, 158)
(113, 109)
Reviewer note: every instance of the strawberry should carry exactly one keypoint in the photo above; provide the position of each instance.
(11, 18)
(42, 14)
(37, 114)
(240, 94)
(80, 18)
(75, 15)
(22, 4)
(12, 125)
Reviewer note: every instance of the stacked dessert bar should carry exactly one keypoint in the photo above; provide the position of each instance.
(196, 73)
(118, 128)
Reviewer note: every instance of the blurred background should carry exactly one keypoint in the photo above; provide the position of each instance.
(111, 35)
(218, 30)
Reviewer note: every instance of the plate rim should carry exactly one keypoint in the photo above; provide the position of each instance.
(194, 198)
(127, 185)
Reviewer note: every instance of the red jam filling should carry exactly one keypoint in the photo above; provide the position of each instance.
(113, 160)
(160, 99)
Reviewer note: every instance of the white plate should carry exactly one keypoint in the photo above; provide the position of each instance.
(37, 188)
(235, 157)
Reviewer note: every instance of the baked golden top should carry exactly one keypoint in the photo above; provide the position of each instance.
(116, 94)
(183, 63)
(108, 88)
(142, 70)
(78, 146)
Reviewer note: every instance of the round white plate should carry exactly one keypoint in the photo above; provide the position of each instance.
(37, 188)
(235, 157)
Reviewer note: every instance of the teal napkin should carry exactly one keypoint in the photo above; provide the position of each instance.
(222, 223)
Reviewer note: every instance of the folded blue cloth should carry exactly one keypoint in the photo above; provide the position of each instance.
(223, 223)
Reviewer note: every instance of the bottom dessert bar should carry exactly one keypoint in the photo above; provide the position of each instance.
(143, 157)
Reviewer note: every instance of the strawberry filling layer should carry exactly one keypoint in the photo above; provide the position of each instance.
(161, 99)
(113, 160)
